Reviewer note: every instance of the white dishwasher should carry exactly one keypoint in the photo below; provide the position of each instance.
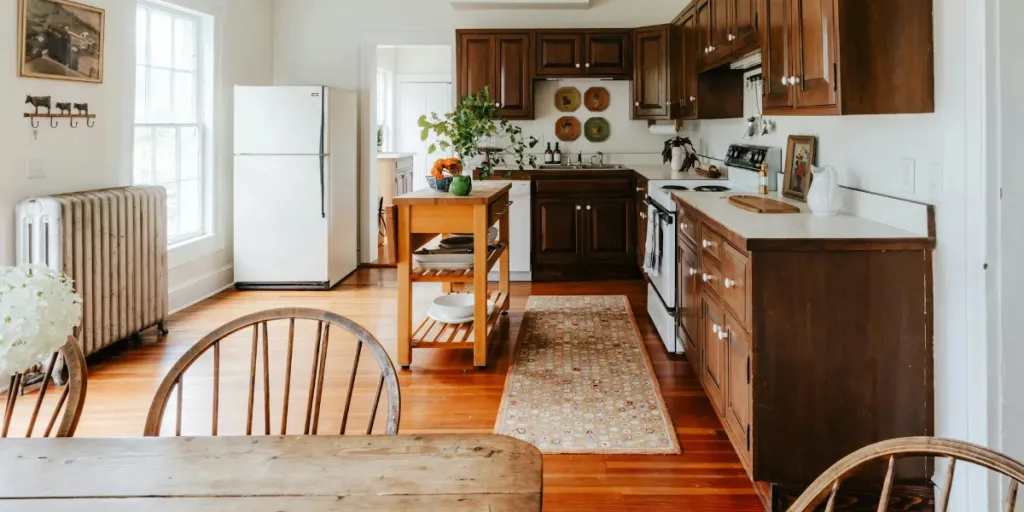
(519, 233)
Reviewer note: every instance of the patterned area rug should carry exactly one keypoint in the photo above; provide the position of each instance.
(582, 381)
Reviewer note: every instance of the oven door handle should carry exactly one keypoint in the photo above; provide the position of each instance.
(663, 214)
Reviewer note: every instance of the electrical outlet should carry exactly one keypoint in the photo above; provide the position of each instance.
(907, 176)
(35, 169)
(935, 181)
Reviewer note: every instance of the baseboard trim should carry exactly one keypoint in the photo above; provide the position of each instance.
(515, 277)
(201, 288)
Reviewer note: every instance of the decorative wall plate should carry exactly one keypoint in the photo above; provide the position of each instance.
(597, 129)
(567, 129)
(596, 99)
(567, 99)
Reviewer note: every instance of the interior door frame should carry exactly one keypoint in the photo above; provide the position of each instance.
(368, 187)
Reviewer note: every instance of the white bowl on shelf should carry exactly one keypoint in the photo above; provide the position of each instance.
(455, 308)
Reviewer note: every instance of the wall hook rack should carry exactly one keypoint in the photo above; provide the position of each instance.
(33, 119)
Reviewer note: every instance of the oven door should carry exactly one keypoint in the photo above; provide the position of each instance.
(665, 281)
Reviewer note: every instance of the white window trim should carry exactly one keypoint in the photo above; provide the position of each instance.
(216, 219)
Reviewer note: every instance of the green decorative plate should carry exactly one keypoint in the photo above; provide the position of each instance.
(597, 129)
(567, 99)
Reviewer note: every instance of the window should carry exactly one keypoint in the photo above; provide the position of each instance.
(171, 102)
(384, 108)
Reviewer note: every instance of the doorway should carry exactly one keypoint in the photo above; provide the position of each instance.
(411, 81)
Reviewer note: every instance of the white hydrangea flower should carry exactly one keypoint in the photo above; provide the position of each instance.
(38, 311)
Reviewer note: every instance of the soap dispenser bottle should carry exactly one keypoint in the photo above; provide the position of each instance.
(558, 155)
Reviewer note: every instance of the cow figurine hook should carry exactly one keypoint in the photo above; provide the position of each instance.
(38, 102)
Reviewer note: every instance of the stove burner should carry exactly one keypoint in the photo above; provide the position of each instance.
(711, 188)
(675, 187)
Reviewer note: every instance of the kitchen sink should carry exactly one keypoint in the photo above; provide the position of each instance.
(583, 167)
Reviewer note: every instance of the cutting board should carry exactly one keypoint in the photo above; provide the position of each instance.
(762, 205)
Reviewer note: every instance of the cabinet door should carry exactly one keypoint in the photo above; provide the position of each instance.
(609, 231)
(777, 53)
(715, 354)
(557, 230)
(559, 54)
(688, 69)
(720, 29)
(815, 48)
(703, 15)
(690, 342)
(609, 54)
(743, 23)
(476, 54)
(651, 74)
(689, 283)
(514, 83)
(738, 403)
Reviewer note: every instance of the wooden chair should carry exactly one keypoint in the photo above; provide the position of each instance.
(828, 483)
(70, 401)
(260, 338)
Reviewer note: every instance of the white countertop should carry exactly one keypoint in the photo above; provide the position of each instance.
(794, 226)
(394, 156)
(664, 172)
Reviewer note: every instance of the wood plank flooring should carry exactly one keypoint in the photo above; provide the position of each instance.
(442, 394)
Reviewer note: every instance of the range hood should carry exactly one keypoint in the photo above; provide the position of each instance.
(520, 4)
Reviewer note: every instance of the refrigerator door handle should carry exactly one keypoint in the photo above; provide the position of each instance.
(323, 122)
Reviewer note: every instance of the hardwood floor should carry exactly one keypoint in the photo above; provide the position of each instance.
(442, 393)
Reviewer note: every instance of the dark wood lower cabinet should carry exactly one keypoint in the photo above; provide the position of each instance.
(804, 371)
(584, 228)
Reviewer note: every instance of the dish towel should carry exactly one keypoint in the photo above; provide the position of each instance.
(652, 256)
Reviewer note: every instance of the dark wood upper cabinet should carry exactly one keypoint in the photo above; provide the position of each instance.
(721, 29)
(501, 62)
(743, 24)
(476, 63)
(841, 57)
(514, 81)
(703, 15)
(776, 53)
(558, 230)
(610, 235)
(609, 53)
(559, 54)
(684, 65)
(652, 80)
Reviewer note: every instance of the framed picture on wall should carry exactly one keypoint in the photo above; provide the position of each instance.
(800, 154)
(60, 40)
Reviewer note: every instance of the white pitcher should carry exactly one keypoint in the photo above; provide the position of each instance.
(823, 197)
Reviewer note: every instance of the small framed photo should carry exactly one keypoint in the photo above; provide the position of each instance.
(60, 40)
(800, 158)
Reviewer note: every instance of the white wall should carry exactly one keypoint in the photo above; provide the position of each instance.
(84, 158)
(423, 60)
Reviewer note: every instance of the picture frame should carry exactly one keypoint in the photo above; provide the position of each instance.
(801, 151)
(61, 40)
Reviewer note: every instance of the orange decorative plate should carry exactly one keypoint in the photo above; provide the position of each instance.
(567, 99)
(567, 129)
(596, 99)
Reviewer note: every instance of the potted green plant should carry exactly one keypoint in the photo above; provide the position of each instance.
(475, 119)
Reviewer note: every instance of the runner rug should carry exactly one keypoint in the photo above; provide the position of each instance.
(582, 382)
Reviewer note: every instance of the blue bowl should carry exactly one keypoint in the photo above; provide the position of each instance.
(441, 185)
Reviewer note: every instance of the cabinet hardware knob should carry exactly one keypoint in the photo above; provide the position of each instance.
(729, 283)
(638, 189)
(588, 207)
(715, 328)
(578, 207)
(693, 271)
(785, 80)
(588, 64)
(577, 66)
(497, 104)
(707, 277)
(693, 98)
(637, 103)
(685, 226)
(707, 244)
(722, 334)
(794, 80)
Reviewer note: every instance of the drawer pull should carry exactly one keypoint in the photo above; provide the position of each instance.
(707, 277)
(722, 334)
(685, 226)
(729, 283)
(708, 244)
(715, 328)
(694, 271)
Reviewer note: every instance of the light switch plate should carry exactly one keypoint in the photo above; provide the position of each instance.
(35, 169)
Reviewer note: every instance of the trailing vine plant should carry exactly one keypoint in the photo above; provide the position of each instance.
(475, 118)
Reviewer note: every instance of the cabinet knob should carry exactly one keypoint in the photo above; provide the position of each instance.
(707, 244)
(729, 283)
(693, 271)
(722, 334)
(637, 103)
(578, 207)
(577, 66)
(785, 80)
(588, 207)
(693, 98)
(715, 328)
(497, 104)
(588, 64)
(638, 189)
(686, 226)
(793, 80)
(707, 277)
(712, 48)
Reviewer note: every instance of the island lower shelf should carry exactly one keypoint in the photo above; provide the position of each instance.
(435, 334)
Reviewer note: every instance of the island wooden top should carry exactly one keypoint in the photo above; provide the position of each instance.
(483, 193)
(316, 473)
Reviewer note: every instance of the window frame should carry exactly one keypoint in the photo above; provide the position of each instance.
(202, 97)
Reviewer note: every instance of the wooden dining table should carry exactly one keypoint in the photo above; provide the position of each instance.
(256, 474)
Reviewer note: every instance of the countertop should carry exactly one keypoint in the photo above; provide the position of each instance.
(394, 156)
(789, 226)
(664, 172)
(483, 193)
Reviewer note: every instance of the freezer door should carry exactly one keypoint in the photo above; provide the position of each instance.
(280, 234)
(280, 120)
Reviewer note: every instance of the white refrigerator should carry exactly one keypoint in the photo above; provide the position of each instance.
(296, 213)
